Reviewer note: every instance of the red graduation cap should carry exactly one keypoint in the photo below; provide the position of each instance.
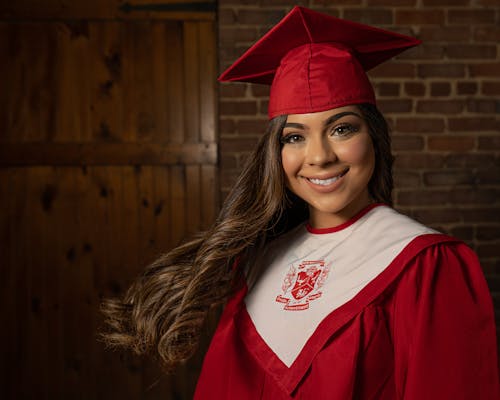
(315, 62)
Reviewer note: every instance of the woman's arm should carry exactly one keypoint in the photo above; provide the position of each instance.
(444, 328)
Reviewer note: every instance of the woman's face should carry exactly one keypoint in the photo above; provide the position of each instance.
(328, 159)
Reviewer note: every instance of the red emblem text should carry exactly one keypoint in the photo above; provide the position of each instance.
(302, 284)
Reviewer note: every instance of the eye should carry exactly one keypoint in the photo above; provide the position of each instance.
(343, 130)
(291, 138)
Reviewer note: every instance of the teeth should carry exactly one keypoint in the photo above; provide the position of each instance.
(324, 182)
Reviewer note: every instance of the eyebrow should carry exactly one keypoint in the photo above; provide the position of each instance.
(327, 122)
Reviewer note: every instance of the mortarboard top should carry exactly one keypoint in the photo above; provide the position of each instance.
(315, 62)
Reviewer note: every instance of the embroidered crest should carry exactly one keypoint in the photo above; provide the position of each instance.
(302, 284)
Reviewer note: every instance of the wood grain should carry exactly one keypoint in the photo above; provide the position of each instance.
(13, 154)
(108, 158)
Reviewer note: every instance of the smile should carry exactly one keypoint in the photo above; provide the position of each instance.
(328, 181)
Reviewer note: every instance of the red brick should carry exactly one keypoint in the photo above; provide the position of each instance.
(440, 106)
(488, 232)
(449, 178)
(472, 124)
(433, 3)
(263, 106)
(451, 143)
(488, 3)
(328, 3)
(406, 142)
(484, 69)
(284, 2)
(396, 106)
(404, 179)
(488, 249)
(473, 17)
(471, 51)
(228, 179)
(438, 215)
(462, 232)
(326, 9)
(393, 70)
(252, 127)
(259, 17)
(414, 89)
(232, 90)
(424, 197)
(486, 106)
(489, 142)
(393, 3)
(470, 160)
(387, 89)
(403, 30)
(418, 160)
(489, 176)
(226, 126)
(423, 52)
(419, 125)
(226, 16)
(419, 17)
(487, 34)
(490, 87)
(492, 268)
(230, 35)
(441, 70)
(466, 87)
(440, 89)
(228, 161)
(444, 34)
(481, 214)
(237, 144)
(371, 16)
(232, 107)
(472, 195)
(227, 55)
(229, 3)
(260, 90)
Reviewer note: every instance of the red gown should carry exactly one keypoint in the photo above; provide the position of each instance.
(422, 329)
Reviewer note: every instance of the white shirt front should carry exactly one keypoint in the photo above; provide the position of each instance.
(308, 275)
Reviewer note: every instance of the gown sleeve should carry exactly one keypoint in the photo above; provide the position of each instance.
(444, 328)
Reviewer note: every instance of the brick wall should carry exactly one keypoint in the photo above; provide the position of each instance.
(441, 99)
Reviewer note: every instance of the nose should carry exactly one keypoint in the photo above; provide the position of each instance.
(320, 151)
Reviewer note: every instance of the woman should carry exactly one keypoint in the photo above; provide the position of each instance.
(332, 293)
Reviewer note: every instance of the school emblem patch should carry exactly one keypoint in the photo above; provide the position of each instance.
(302, 285)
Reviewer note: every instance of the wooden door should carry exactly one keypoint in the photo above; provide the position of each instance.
(108, 157)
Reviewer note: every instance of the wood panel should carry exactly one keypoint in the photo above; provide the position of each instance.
(109, 9)
(16, 154)
(102, 82)
(89, 231)
(108, 157)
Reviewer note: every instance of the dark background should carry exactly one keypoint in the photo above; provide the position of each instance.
(116, 143)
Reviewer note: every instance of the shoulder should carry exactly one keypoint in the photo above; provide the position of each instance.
(387, 220)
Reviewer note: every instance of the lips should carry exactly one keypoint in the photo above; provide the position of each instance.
(329, 180)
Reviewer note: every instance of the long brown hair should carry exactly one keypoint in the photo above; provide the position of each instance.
(164, 310)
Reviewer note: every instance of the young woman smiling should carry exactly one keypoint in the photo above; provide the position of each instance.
(328, 158)
(330, 293)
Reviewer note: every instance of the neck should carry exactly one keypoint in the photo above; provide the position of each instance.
(321, 220)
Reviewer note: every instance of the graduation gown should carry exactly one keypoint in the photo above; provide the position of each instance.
(379, 307)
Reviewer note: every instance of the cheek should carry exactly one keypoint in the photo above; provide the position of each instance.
(291, 162)
(359, 152)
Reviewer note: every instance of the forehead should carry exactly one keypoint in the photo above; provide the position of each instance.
(321, 116)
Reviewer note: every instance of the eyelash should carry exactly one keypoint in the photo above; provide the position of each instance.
(291, 138)
(295, 137)
(350, 129)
